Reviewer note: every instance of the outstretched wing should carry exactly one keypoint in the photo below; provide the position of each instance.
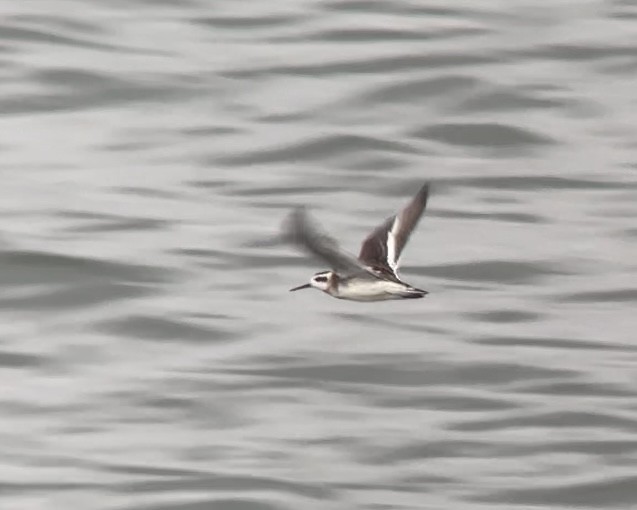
(304, 232)
(382, 248)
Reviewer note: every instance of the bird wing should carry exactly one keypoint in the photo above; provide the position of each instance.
(382, 248)
(301, 230)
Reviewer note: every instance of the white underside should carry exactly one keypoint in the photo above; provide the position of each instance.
(370, 290)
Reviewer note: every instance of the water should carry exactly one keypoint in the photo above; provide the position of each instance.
(151, 357)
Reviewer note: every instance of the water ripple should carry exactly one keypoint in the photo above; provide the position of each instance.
(151, 354)
(484, 134)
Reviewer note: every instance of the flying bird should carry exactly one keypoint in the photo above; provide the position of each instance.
(373, 275)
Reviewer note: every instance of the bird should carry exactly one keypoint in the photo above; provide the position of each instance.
(373, 275)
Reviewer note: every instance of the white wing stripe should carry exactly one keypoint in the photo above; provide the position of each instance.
(391, 245)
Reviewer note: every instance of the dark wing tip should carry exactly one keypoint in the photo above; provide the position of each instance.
(294, 224)
(421, 198)
(424, 191)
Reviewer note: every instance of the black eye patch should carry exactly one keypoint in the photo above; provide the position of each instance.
(321, 278)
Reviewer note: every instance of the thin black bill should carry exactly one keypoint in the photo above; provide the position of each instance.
(306, 286)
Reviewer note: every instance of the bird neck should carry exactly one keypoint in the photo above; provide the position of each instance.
(335, 281)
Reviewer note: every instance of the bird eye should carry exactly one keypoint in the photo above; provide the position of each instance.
(321, 278)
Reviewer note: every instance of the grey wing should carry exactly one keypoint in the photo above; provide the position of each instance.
(383, 247)
(302, 231)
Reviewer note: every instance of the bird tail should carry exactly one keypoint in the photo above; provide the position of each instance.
(414, 293)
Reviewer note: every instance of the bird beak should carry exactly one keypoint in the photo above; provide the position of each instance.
(306, 286)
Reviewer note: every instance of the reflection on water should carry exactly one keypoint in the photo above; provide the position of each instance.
(151, 356)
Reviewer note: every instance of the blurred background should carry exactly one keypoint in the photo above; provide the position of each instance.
(151, 356)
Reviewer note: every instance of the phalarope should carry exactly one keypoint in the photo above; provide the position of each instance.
(373, 276)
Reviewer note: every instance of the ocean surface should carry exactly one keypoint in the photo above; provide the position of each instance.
(151, 356)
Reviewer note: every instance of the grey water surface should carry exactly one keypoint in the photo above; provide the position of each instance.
(151, 356)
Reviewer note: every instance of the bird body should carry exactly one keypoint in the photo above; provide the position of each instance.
(373, 276)
(360, 287)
